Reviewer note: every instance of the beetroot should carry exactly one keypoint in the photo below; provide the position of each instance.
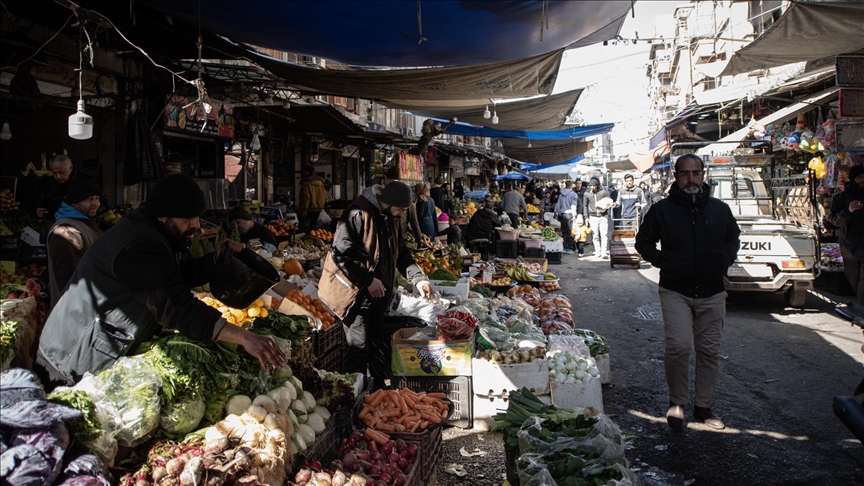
(336, 465)
(412, 450)
(404, 465)
(349, 460)
(375, 470)
(400, 445)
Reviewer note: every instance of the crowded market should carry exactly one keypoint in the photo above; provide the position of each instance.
(237, 265)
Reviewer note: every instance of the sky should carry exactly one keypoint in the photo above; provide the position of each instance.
(614, 78)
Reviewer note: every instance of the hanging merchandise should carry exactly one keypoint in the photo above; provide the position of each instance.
(410, 167)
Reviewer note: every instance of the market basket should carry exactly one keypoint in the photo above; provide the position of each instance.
(458, 390)
(325, 447)
(325, 340)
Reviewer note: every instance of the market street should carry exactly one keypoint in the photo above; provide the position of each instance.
(779, 370)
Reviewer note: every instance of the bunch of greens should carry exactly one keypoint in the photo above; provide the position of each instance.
(293, 328)
(130, 388)
(596, 343)
(485, 292)
(337, 391)
(442, 274)
(18, 219)
(87, 427)
(8, 337)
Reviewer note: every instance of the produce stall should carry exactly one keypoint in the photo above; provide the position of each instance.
(176, 411)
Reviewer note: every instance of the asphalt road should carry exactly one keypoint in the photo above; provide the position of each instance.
(779, 370)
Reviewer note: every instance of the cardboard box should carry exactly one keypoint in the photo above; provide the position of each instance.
(430, 357)
(604, 367)
(30, 236)
(498, 380)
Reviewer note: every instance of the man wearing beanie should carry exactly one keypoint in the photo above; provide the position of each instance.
(847, 213)
(72, 233)
(358, 275)
(135, 281)
(248, 228)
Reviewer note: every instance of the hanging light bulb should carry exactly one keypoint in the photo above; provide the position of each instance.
(5, 133)
(80, 123)
(495, 118)
(487, 114)
(529, 143)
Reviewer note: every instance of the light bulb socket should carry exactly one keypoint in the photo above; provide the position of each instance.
(487, 114)
(495, 118)
(5, 133)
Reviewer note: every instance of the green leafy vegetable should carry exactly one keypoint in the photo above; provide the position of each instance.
(8, 337)
(480, 289)
(87, 427)
(443, 274)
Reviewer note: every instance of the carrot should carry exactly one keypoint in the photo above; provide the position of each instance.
(436, 395)
(377, 397)
(409, 401)
(376, 436)
(391, 413)
(404, 405)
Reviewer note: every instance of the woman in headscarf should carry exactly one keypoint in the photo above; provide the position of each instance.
(425, 210)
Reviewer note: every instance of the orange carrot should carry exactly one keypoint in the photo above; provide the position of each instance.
(436, 395)
(378, 437)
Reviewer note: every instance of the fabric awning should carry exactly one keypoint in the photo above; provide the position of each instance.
(414, 87)
(572, 133)
(546, 153)
(317, 118)
(731, 141)
(408, 33)
(805, 32)
(543, 113)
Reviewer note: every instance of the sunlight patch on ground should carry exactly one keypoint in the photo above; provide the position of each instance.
(727, 430)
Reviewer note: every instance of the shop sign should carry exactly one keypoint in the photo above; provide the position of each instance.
(183, 114)
(472, 171)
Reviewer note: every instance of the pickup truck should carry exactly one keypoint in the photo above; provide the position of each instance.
(776, 213)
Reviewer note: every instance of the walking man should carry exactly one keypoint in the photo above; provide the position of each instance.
(698, 237)
(598, 216)
(566, 206)
(847, 213)
(631, 199)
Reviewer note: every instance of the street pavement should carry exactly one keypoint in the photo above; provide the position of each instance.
(779, 370)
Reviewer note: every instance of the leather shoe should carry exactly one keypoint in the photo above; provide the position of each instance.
(675, 418)
(707, 417)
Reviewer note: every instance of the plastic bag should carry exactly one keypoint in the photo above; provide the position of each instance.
(405, 304)
(126, 397)
(478, 307)
(183, 416)
(450, 329)
(462, 313)
(573, 344)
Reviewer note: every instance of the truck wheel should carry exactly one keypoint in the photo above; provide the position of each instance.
(795, 298)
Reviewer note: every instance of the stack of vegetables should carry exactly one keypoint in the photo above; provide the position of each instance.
(35, 445)
(402, 410)
(312, 305)
(545, 444)
(23, 312)
(439, 268)
(363, 460)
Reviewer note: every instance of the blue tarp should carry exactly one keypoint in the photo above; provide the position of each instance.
(572, 133)
(513, 176)
(548, 168)
(388, 33)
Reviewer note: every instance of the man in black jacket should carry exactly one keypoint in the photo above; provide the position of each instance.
(698, 236)
(482, 222)
(847, 214)
(136, 280)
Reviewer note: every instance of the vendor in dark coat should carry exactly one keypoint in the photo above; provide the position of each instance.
(51, 193)
(482, 223)
(136, 280)
(248, 228)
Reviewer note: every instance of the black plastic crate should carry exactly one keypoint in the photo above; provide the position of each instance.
(332, 361)
(554, 257)
(30, 254)
(458, 389)
(327, 339)
(507, 249)
(539, 253)
(10, 243)
(326, 446)
(834, 281)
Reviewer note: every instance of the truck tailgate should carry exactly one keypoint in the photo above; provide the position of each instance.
(763, 245)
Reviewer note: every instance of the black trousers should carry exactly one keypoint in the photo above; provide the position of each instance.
(855, 274)
(569, 243)
(366, 338)
(514, 219)
(580, 246)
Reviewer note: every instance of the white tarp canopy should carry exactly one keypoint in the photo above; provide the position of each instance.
(807, 31)
(731, 141)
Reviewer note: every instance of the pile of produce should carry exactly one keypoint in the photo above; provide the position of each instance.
(556, 314)
(481, 290)
(430, 244)
(513, 356)
(364, 460)
(15, 220)
(7, 200)
(23, 312)
(35, 444)
(282, 228)
(238, 317)
(832, 259)
(14, 278)
(402, 410)
(312, 305)
(8, 339)
(456, 324)
(560, 446)
(527, 294)
(112, 216)
(567, 368)
(533, 209)
(549, 234)
(300, 250)
(595, 342)
(322, 234)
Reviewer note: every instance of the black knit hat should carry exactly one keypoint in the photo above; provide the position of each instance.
(239, 212)
(176, 196)
(855, 172)
(80, 189)
(396, 194)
